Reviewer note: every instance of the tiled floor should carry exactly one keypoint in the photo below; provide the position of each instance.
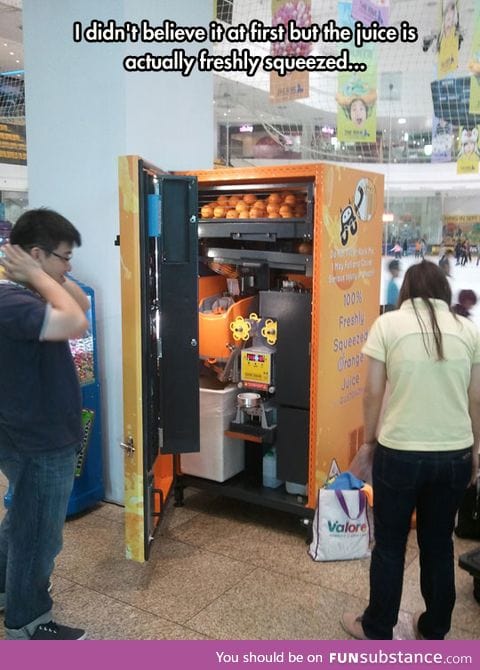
(221, 569)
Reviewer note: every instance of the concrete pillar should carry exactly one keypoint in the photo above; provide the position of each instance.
(83, 111)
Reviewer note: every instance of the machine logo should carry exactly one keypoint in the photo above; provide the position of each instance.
(361, 209)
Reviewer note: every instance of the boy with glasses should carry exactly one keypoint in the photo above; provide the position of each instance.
(40, 415)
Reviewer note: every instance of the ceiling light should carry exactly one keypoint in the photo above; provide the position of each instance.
(402, 121)
(12, 53)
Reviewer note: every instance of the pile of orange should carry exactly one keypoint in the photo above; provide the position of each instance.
(278, 205)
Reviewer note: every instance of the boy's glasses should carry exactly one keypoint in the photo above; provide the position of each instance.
(65, 259)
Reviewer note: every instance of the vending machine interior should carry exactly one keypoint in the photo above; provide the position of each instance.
(259, 240)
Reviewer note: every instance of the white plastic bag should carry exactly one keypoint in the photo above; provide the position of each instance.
(340, 526)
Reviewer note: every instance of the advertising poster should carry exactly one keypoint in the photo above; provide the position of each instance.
(350, 280)
(469, 154)
(294, 85)
(448, 38)
(367, 11)
(344, 14)
(356, 92)
(474, 64)
(442, 141)
(356, 98)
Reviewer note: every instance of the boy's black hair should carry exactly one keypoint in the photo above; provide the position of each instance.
(44, 228)
(467, 295)
(394, 265)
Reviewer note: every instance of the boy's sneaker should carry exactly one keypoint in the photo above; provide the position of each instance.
(55, 631)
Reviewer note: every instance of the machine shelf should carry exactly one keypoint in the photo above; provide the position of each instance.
(275, 259)
(240, 489)
(267, 230)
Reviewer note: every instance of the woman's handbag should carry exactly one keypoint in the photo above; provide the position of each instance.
(468, 522)
(340, 526)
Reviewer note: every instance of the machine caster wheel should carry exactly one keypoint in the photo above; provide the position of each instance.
(307, 524)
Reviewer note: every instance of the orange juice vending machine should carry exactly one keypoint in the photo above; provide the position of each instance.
(247, 295)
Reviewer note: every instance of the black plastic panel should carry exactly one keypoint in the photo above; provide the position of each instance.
(179, 315)
(292, 358)
(292, 444)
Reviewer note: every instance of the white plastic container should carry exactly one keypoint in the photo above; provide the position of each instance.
(270, 470)
(296, 489)
(220, 457)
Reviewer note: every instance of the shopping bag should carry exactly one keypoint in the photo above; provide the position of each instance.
(340, 526)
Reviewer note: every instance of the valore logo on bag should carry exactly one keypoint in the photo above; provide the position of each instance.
(337, 527)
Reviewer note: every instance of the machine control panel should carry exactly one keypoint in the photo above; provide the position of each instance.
(256, 366)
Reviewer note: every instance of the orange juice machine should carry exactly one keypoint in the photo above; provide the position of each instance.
(246, 297)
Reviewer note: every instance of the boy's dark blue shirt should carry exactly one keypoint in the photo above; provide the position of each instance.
(40, 407)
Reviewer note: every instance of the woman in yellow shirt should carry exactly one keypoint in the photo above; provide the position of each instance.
(426, 451)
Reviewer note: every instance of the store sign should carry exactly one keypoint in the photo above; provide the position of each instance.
(13, 148)
(246, 128)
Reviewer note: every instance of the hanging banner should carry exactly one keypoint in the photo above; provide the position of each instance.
(367, 11)
(448, 38)
(356, 92)
(469, 154)
(294, 85)
(356, 98)
(344, 14)
(474, 63)
(442, 141)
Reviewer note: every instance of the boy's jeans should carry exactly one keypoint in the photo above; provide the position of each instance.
(31, 531)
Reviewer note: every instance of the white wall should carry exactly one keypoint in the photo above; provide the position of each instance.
(83, 111)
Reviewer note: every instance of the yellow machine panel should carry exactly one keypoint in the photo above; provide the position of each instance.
(256, 366)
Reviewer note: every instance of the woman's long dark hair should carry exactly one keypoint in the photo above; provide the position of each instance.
(426, 280)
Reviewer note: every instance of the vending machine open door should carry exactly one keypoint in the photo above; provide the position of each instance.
(159, 248)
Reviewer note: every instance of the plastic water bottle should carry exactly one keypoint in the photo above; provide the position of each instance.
(270, 469)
